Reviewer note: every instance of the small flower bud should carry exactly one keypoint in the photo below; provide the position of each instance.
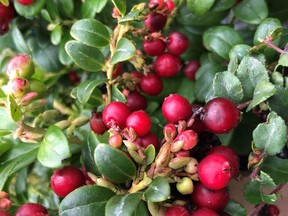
(80, 121)
(177, 146)
(169, 132)
(50, 114)
(179, 162)
(191, 166)
(20, 66)
(19, 87)
(39, 87)
(28, 98)
(64, 124)
(164, 156)
(35, 105)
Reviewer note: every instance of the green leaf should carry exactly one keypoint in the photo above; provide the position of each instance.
(46, 15)
(90, 32)
(150, 154)
(19, 40)
(21, 186)
(63, 56)
(4, 147)
(6, 122)
(251, 72)
(222, 5)
(271, 136)
(120, 5)
(250, 11)
(239, 51)
(123, 204)
(67, 6)
(125, 50)
(86, 91)
(235, 209)
(91, 7)
(56, 35)
(253, 190)
(31, 10)
(266, 27)
(262, 92)
(283, 60)
(200, 7)
(277, 169)
(158, 190)
(54, 148)
(141, 209)
(279, 102)
(86, 57)
(14, 109)
(117, 95)
(85, 201)
(221, 39)
(5, 173)
(113, 163)
(131, 16)
(226, 84)
(185, 88)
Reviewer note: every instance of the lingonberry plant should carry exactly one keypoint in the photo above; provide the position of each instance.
(143, 107)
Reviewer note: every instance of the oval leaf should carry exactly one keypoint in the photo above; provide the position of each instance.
(85, 201)
(56, 35)
(90, 32)
(199, 8)
(125, 50)
(86, 57)
(235, 209)
(158, 190)
(120, 5)
(150, 154)
(113, 163)
(54, 148)
(277, 169)
(5, 172)
(31, 10)
(86, 88)
(123, 204)
(19, 40)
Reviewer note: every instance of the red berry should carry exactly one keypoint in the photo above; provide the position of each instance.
(154, 3)
(220, 115)
(115, 140)
(169, 5)
(140, 122)
(178, 43)
(73, 77)
(117, 70)
(214, 171)
(148, 139)
(3, 213)
(167, 65)
(151, 84)
(177, 211)
(231, 156)
(215, 200)
(7, 12)
(96, 123)
(116, 113)
(26, 2)
(155, 22)
(191, 69)
(204, 212)
(4, 26)
(154, 47)
(189, 137)
(176, 108)
(136, 101)
(30, 209)
(273, 210)
(136, 77)
(66, 179)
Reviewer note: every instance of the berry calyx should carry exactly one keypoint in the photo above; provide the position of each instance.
(177, 211)
(115, 114)
(189, 137)
(151, 84)
(204, 212)
(214, 171)
(220, 115)
(176, 108)
(136, 101)
(31, 209)
(178, 43)
(154, 47)
(191, 69)
(155, 22)
(26, 2)
(167, 65)
(140, 122)
(66, 179)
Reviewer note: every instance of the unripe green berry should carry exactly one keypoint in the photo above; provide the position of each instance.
(185, 186)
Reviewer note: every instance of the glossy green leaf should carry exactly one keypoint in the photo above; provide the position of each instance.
(253, 190)
(67, 6)
(131, 16)
(14, 109)
(86, 90)
(226, 84)
(4, 147)
(270, 136)
(125, 50)
(117, 95)
(186, 88)
(46, 15)
(85, 201)
(113, 163)
(19, 40)
(90, 8)
(56, 35)
(53, 9)
(235, 209)
(239, 51)
(250, 72)
(31, 10)
(158, 190)
(5, 173)
(141, 209)
(250, 11)
(200, 7)
(63, 56)
(54, 148)
(123, 204)
(120, 5)
(21, 189)
(283, 60)
(90, 32)
(279, 102)
(86, 57)
(222, 5)
(262, 92)
(7, 123)
(150, 154)
(277, 169)
(221, 39)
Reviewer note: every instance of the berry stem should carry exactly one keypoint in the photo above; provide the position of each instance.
(268, 41)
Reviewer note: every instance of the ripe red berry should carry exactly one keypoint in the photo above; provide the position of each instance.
(153, 3)
(220, 115)
(155, 22)
(151, 84)
(26, 2)
(7, 12)
(169, 5)
(273, 210)
(148, 139)
(189, 137)
(175, 108)
(3, 213)
(31, 209)
(215, 200)
(231, 156)
(96, 123)
(66, 179)
(204, 212)
(136, 101)
(117, 70)
(154, 47)
(116, 113)
(178, 43)
(4, 26)
(73, 77)
(140, 122)
(177, 211)
(191, 69)
(167, 65)
(136, 77)
(214, 171)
